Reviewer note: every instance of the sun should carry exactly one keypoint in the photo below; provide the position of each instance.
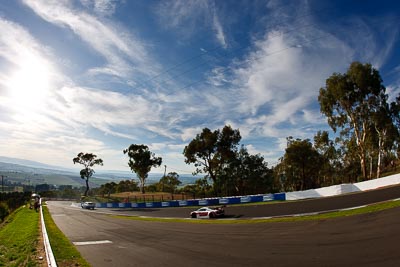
(29, 85)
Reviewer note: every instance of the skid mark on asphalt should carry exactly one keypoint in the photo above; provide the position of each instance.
(86, 243)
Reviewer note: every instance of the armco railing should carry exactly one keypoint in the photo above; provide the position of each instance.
(51, 261)
(196, 202)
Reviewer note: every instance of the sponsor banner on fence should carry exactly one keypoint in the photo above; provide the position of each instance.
(245, 199)
(223, 201)
(203, 202)
(268, 197)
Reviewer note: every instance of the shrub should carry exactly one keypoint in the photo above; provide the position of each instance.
(4, 211)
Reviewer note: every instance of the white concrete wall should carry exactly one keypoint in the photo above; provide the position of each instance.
(344, 188)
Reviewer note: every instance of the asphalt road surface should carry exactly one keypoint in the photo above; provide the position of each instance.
(362, 240)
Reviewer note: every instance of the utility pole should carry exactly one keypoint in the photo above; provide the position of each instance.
(165, 172)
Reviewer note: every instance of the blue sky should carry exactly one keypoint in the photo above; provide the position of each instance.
(96, 76)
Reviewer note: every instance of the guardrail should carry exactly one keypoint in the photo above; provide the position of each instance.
(51, 261)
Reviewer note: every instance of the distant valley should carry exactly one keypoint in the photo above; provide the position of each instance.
(33, 173)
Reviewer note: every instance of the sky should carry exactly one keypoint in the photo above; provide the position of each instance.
(95, 76)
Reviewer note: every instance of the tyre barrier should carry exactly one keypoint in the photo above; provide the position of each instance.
(196, 202)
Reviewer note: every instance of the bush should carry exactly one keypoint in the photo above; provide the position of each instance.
(4, 211)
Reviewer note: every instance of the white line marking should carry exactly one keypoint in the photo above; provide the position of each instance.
(92, 243)
(353, 208)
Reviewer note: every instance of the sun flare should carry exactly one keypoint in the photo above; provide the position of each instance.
(29, 85)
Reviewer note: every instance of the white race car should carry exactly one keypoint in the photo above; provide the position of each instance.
(88, 205)
(206, 212)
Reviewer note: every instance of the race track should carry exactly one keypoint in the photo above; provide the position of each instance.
(362, 240)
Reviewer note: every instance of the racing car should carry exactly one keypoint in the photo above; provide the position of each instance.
(88, 205)
(207, 212)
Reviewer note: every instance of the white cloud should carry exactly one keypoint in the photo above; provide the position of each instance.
(190, 133)
(104, 109)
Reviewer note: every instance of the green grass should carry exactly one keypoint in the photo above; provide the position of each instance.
(64, 251)
(19, 237)
(324, 216)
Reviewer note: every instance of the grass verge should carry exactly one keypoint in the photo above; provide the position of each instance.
(64, 251)
(323, 216)
(19, 237)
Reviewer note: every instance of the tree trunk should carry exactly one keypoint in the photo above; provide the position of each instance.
(360, 141)
(371, 166)
(381, 143)
(87, 187)
(142, 188)
(363, 166)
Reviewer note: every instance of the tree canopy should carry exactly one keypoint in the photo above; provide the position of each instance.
(209, 151)
(141, 160)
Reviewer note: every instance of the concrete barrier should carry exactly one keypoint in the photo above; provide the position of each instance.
(335, 190)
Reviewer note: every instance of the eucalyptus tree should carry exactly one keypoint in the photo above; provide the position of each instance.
(210, 151)
(331, 161)
(303, 161)
(88, 160)
(170, 182)
(247, 174)
(141, 160)
(349, 101)
(202, 186)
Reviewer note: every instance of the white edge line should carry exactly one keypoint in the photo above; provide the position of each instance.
(84, 243)
(354, 208)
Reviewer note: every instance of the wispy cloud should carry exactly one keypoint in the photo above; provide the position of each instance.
(101, 7)
(219, 31)
(190, 16)
(125, 54)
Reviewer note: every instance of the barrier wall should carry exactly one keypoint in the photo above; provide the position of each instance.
(344, 188)
(196, 202)
(333, 190)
